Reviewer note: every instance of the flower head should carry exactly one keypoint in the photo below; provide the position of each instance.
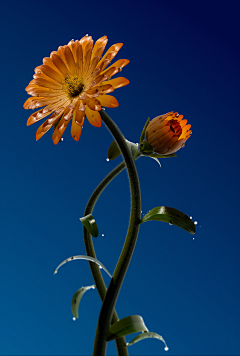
(167, 133)
(72, 83)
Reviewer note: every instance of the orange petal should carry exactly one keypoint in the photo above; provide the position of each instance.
(79, 117)
(59, 130)
(119, 64)
(93, 104)
(104, 89)
(86, 62)
(92, 93)
(118, 82)
(176, 146)
(70, 60)
(108, 101)
(79, 54)
(47, 61)
(47, 84)
(114, 48)
(58, 62)
(30, 103)
(93, 117)
(52, 73)
(48, 124)
(36, 116)
(100, 43)
(76, 129)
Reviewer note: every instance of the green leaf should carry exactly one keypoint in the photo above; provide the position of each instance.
(143, 131)
(90, 224)
(76, 299)
(83, 257)
(171, 216)
(146, 335)
(125, 326)
(114, 151)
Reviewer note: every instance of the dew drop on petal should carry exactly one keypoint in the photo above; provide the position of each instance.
(107, 159)
(62, 138)
(183, 145)
(74, 319)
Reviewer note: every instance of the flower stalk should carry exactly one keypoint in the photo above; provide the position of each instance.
(111, 296)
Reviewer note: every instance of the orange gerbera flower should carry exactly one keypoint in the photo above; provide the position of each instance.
(73, 83)
(167, 133)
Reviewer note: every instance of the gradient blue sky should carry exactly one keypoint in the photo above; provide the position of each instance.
(184, 56)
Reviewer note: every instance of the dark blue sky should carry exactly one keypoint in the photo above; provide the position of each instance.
(184, 56)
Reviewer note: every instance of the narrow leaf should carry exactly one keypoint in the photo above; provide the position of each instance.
(76, 299)
(143, 131)
(157, 155)
(114, 151)
(82, 257)
(125, 326)
(146, 148)
(171, 216)
(90, 224)
(146, 335)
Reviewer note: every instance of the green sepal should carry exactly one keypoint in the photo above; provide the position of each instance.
(76, 299)
(145, 147)
(146, 335)
(157, 155)
(171, 216)
(90, 224)
(130, 324)
(143, 131)
(114, 151)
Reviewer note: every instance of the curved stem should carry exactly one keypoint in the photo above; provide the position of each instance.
(110, 299)
(97, 276)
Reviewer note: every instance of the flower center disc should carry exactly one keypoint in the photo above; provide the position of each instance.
(73, 86)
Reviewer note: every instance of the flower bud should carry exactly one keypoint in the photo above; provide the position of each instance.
(167, 133)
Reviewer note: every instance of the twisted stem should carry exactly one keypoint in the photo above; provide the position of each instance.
(107, 310)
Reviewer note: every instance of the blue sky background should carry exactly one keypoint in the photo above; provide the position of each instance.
(184, 56)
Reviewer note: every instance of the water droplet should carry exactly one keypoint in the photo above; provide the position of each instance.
(74, 319)
(127, 343)
(100, 266)
(183, 145)
(193, 238)
(107, 159)
(141, 211)
(166, 348)
(103, 109)
(55, 272)
(87, 35)
(190, 217)
(102, 234)
(62, 138)
(195, 222)
(170, 222)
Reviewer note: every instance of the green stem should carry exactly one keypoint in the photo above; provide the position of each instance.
(97, 276)
(110, 299)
